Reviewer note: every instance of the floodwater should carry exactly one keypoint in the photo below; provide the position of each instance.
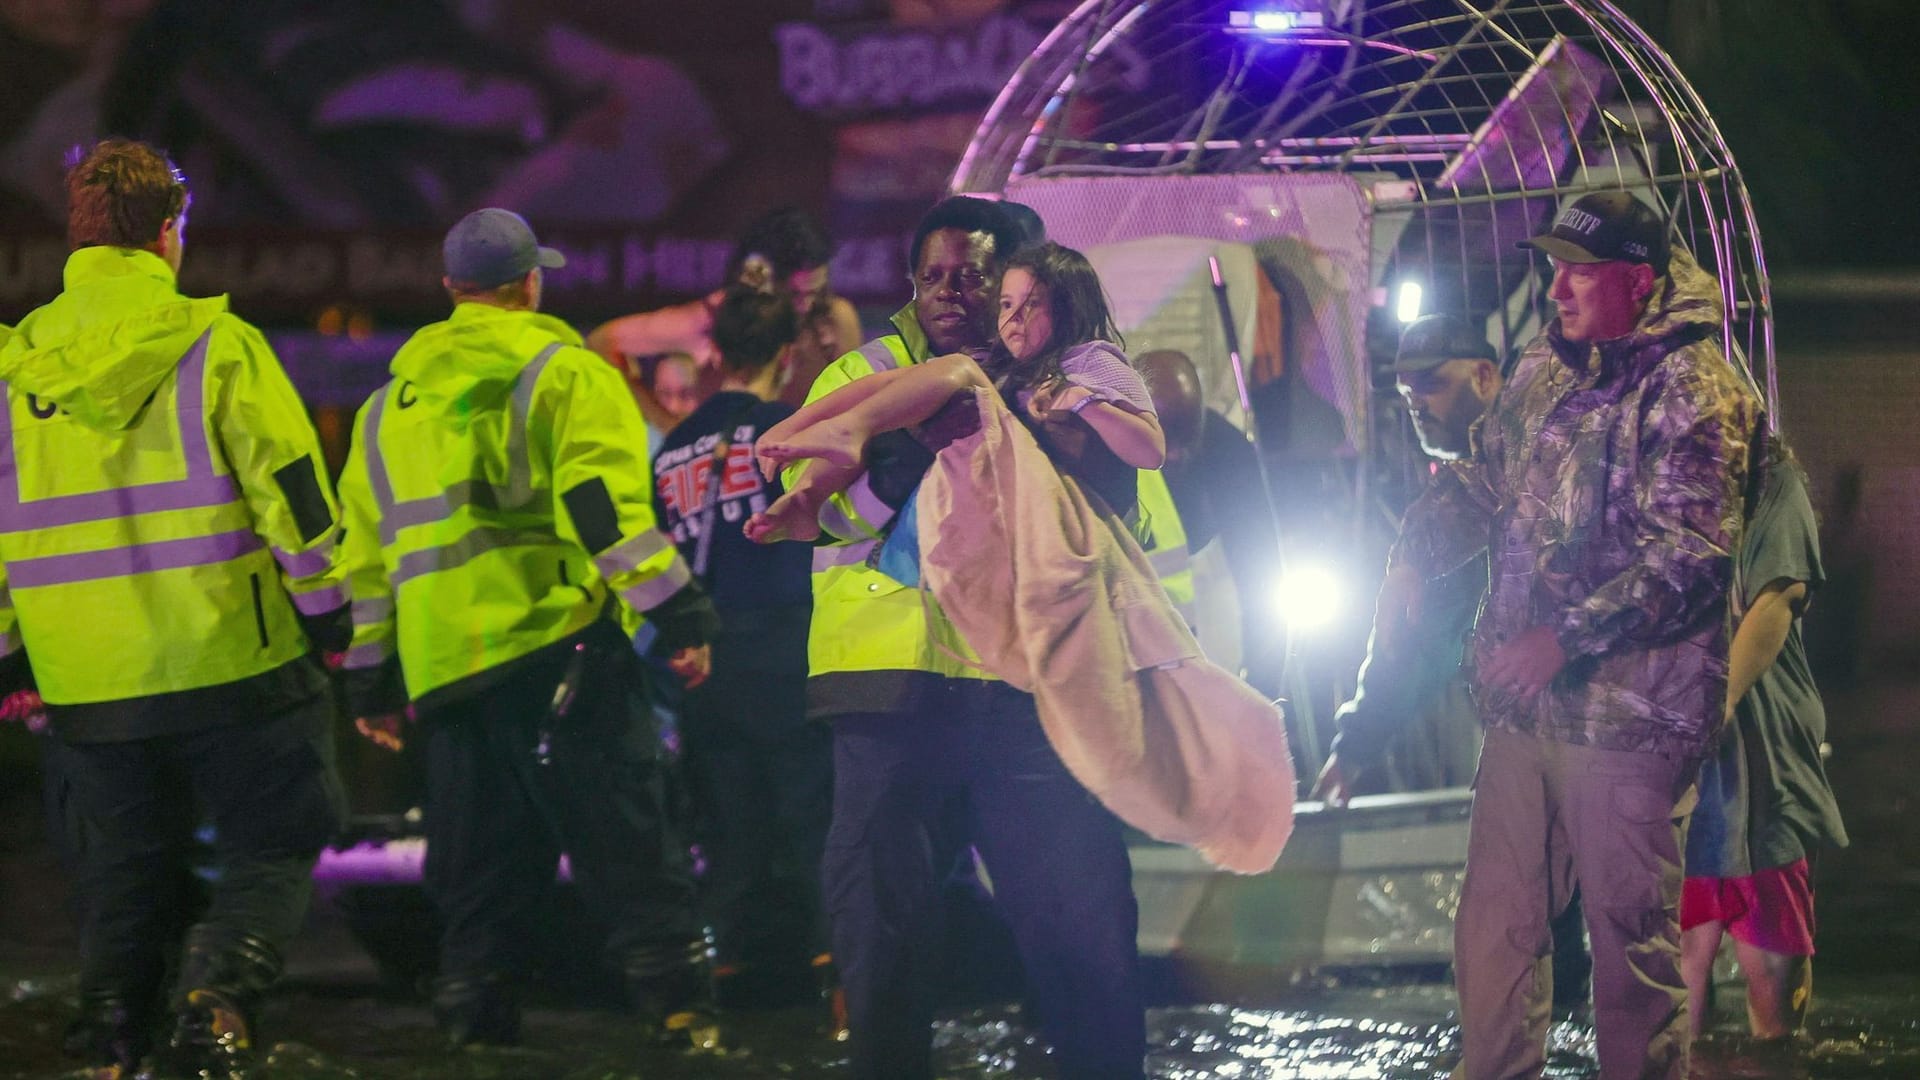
(340, 1031)
(336, 1018)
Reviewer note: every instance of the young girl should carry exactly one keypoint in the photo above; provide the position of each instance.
(1056, 364)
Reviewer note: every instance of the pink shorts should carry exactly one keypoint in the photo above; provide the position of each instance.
(1772, 909)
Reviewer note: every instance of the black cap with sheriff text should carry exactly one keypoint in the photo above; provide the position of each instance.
(1606, 226)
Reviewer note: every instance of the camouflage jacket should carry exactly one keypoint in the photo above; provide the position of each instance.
(1436, 574)
(1619, 471)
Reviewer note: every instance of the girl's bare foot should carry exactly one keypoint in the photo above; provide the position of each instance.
(774, 436)
(835, 444)
(793, 516)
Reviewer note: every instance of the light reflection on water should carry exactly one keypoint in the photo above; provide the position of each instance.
(1410, 1032)
(1862, 1032)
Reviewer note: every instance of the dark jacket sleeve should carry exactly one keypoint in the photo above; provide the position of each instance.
(1436, 575)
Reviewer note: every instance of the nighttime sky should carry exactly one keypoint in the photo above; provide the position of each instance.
(1817, 99)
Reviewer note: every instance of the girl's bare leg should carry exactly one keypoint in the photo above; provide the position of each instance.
(796, 514)
(897, 399)
(832, 405)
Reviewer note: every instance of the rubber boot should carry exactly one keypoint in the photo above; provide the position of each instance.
(477, 1010)
(222, 980)
(110, 1034)
(672, 995)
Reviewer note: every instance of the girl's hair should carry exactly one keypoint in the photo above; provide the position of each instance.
(750, 328)
(1076, 302)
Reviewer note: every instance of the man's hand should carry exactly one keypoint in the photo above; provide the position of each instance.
(383, 729)
(1527, 664)
(1333, 786)
(25, 707)
(693, 664)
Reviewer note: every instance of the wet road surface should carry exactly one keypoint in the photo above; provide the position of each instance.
(335, 1018)
(340, 1031)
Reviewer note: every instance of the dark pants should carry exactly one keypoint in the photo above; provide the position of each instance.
(500, 812)
(130, 809)
(1056, 857)
(762, 779)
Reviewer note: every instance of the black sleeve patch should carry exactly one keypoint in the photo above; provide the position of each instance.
(330, 631)
(300, 486)
(591, 509)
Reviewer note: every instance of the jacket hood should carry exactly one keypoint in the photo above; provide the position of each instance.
(469, 362)
(1686, 299)
(102, 347)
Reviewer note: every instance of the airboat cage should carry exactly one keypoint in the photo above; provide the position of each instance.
(1356, 145)
(1328, 152)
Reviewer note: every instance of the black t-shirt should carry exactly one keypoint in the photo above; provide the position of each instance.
(743, 577)
(1217, 490)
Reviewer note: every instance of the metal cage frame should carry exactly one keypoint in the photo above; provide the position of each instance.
(1413, 89)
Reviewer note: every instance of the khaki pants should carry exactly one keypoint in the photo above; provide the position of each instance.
(1548, 816)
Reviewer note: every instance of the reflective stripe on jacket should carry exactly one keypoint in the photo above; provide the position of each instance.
(497, 492)
(863, 620)
(163, 505)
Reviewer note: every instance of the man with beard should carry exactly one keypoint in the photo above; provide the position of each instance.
(1410, 687)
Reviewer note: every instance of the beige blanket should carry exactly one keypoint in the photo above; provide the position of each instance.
(1057, 599)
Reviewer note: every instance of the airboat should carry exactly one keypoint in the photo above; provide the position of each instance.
(1273, 188)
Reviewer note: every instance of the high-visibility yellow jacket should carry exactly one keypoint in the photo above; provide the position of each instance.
(164, 514)
(872, 645)
(497, 492)
(1165, 542)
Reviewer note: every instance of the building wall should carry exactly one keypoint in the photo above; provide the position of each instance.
(1850, 401)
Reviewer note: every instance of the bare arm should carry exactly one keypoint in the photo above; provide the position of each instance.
(1134, 438)
(680, 328)
(1761, 635)
(846, 323)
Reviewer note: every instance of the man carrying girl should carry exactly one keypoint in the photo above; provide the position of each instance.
(931, 754)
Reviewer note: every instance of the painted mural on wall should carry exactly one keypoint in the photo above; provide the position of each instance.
(329, 142)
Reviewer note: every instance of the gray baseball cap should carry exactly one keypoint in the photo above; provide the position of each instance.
(493, 247)
(1432, 340)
